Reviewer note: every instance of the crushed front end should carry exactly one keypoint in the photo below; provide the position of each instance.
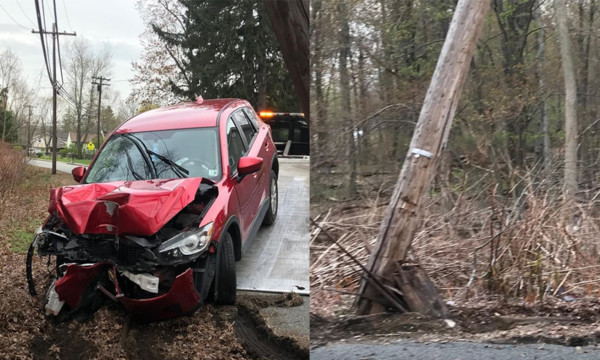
(143, 244)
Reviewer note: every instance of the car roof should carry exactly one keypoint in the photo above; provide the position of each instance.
(181, 116)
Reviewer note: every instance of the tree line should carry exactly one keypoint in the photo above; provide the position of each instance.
(372, 61)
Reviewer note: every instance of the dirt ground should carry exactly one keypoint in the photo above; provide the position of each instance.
(574, 323)
(224, 332)
(508, 314)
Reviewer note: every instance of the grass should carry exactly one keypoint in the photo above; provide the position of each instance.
(26, 208)
(66, 159)
(19, 238)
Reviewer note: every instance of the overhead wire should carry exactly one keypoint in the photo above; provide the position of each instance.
(13, 19)
(46, 33)
(66, 95)
(62, 81)
(67, 15)
(68, 98)
(41, 30)
(24, 13)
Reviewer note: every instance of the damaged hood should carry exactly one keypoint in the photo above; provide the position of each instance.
(123, 207)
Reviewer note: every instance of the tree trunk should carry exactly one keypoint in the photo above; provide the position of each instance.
(388, 261)
(570, 175)
(544, 144)
(317, 69)
(290, 24)
(262, 85)
(345, 111)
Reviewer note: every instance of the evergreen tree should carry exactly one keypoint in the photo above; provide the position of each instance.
(229, 50)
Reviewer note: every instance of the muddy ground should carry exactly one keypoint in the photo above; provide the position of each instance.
(574, 324)
(250, 330)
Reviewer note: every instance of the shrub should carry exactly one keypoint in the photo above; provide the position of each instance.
(12, 169)
(64, 152)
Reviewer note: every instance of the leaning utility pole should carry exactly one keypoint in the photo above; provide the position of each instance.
(391, 272)
(100, 84)
(28, 129)
(55, 34)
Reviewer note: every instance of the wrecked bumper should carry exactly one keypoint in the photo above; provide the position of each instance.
(82, 282)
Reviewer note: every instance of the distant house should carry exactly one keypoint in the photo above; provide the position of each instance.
(38, 142)
(86, 138)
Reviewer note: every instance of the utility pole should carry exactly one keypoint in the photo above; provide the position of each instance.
(392, 273)
(55, 34)
(28, 130)
(98, 80)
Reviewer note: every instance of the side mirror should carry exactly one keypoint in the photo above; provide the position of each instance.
(248, 165)
(78, 173)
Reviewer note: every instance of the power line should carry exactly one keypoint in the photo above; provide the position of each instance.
(62, 80)
(41, 30)
(66, 15)
(15, 21)
(41, 17)
(24, 13)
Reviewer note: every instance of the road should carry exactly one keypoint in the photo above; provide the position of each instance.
(405, 349)
(60, 166)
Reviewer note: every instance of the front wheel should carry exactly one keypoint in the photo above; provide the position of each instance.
(225, 279)
(274, 198)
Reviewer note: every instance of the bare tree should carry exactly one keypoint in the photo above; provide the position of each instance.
(82, 64)
(570, 176)
(10, 72)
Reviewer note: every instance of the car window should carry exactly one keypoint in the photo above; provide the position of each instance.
(119, 160)
(280, 130)
(253, 117)
(301, 132)
(151, 155)
(235, 145)
(244, 123)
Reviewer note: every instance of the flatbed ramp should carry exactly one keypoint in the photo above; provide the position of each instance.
(278, 258)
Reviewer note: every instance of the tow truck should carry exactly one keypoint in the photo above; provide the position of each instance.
(290, 132)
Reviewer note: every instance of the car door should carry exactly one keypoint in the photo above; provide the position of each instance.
(259, 146)
(237, 146)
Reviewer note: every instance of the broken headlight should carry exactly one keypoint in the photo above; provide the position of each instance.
(189, 243)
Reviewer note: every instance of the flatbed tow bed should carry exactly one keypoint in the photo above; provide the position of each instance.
(278, 258)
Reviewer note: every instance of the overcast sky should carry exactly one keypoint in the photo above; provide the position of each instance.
(114, 21)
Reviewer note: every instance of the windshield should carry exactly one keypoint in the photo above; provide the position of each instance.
(158, 155)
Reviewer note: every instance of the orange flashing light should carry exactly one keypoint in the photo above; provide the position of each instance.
(266, 114)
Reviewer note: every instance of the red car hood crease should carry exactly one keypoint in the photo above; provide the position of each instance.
(138, 207)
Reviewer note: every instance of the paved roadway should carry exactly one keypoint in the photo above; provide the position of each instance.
(60, 166)
(405, 349)
(278, 258)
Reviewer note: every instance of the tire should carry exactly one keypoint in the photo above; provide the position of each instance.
(225, 279)
(271, 214)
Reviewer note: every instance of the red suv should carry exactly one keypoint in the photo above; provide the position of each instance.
(169, 203)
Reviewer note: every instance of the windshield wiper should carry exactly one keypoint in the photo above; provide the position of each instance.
(177, 169)
(130, 166)
(137, 142)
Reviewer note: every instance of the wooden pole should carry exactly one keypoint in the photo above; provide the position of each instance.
(389, 260)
